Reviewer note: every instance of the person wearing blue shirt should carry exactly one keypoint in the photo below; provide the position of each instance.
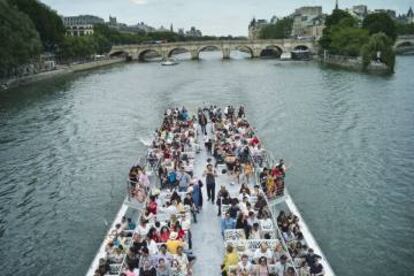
(227, 223)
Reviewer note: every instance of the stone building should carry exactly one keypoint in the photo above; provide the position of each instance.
(359, 12)
(79, 30)
(193, 32)
(410, 16)
(391, 13)
(81, 25)
(82, 20)
(308, 22)
(255, 27)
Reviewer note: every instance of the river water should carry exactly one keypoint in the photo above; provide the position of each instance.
(66, 146)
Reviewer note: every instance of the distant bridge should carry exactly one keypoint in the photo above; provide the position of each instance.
(404, 44)
(254, 47)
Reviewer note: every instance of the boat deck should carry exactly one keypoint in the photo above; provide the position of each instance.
(207, 242)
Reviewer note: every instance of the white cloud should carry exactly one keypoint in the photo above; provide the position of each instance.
(139, 2)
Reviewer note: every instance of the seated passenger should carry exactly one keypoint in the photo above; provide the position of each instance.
(182, 260)
(163, 254)
(172, 243)
(282, 266)
(147, 269)
(255, 233)
(311, 257)
(317, 269)
(231, 258)
(152, 205)
(227, 223)
(262, 269)
(277, 253)
(262, 251)
(163, 268)
(244, 267)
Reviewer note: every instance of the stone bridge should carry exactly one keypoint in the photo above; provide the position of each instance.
(254, 47)
(404, 44)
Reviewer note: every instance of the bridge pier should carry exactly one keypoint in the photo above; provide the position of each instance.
(164, 55)
(226, 53)
(194, 54)
(256, 53)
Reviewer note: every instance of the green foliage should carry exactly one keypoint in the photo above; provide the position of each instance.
(379, 42)
(334, 22)
(78, 48)
(348, 41)
(336, 17)
(19, 39)
(380, 22)
(102, 44)
(281, 29)
(47, 22)
(405, 29)
(342, 36)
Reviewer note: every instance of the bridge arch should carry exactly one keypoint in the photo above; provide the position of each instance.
(301, 47)
(144, 53)
(245, 49)
(404, 44)
(178, 50)
(271, 51)
(209, 47)
(119, 53)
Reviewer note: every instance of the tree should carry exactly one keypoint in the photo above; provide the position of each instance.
(348, 41)
(380, 22)
(103, 45)
(381, 43)
(405, 29)
(281, 29)
(336, 17)
(47, 22)
(78, 48)
(19, 39)
(345, 22)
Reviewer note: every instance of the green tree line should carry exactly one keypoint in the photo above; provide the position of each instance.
(405, 29)
(344, 35)
(19, 40)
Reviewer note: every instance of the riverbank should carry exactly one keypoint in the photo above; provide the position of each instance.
(62, 71)
(353, 63)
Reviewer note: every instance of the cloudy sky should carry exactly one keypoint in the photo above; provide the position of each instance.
(213, 17)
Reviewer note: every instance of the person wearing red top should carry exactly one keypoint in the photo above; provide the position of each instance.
(152, 205)
(167, 154)
(255, 141)
(276, 172)
(180, 231)
(164, 234)
(153, 235)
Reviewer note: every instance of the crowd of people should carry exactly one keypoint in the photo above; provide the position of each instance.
(235, 145)
(245, 213)
(159, 242)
